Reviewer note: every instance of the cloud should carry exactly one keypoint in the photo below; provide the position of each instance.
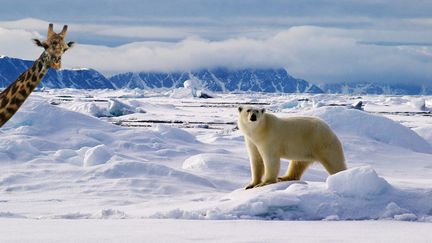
(17, 43)
(104, 33)
(174, 29)
(173, 20)
(317, 54)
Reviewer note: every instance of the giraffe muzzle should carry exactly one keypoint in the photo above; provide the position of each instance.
(56, 65)
(56, 62)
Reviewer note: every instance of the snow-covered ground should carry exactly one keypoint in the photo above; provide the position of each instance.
(153, 230)
(147, 155)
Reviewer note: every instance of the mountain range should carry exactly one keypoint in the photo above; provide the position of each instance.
(217, 79)
(11, 68)
(359, 88)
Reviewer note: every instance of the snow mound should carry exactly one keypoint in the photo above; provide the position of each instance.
(375, 127)
(113, 108)
(303, 202)
(174, 133)
(354, 194)
(97, 155)
(39, 117)
(90, 108)
(146, 170)
(191, 84)
(358, 182)
(219, 163)
(392, 210)
(118, 108)
(13, 148)
(110, 214)
(102, 214)
(191, 88)
(419, 104)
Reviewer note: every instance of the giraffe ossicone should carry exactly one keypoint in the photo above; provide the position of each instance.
(15, 94)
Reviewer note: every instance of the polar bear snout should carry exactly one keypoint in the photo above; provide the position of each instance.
(254, 115)
(251, 114)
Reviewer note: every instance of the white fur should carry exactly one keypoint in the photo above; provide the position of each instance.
(303, 140)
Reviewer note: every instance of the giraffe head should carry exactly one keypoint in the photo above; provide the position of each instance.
(54, 46)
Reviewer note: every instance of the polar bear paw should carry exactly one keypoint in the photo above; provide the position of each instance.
(286, 178)
(249, 186)
(265, 183)
(252, 185)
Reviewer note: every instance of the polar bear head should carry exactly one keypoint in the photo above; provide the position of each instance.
(251, 115)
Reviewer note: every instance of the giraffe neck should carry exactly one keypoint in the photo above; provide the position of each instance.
(15, 94)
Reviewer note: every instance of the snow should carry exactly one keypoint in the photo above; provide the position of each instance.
(62, 230)
(425, 131)
(354, 194)
(215, 163)
(191, 88)
(374, 127)
(191, 84)
(362, 182)
(183, 159)
(398, 104)
(97, 155)
(108, 108)
(77, 69)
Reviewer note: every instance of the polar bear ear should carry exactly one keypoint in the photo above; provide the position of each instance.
(262, 110)
(240, 108)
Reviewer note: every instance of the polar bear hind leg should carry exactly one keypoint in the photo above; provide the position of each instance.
(295, 170)
(333, 167)
(328, 150)
(333, 160)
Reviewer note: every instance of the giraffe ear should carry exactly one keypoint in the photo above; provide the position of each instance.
(70, 44)
(41, 43)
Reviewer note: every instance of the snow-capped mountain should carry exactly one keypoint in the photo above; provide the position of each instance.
(375, 88)
(11, 68)
(220, 79)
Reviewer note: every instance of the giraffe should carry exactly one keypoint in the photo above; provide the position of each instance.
(15, 94)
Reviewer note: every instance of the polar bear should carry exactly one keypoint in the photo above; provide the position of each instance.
(303, 140)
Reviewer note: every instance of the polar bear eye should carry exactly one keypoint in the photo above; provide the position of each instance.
(248, 110)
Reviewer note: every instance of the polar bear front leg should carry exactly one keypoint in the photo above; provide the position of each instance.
(256, 164)
(271, 169)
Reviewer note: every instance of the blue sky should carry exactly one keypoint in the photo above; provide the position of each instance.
(321, 41)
